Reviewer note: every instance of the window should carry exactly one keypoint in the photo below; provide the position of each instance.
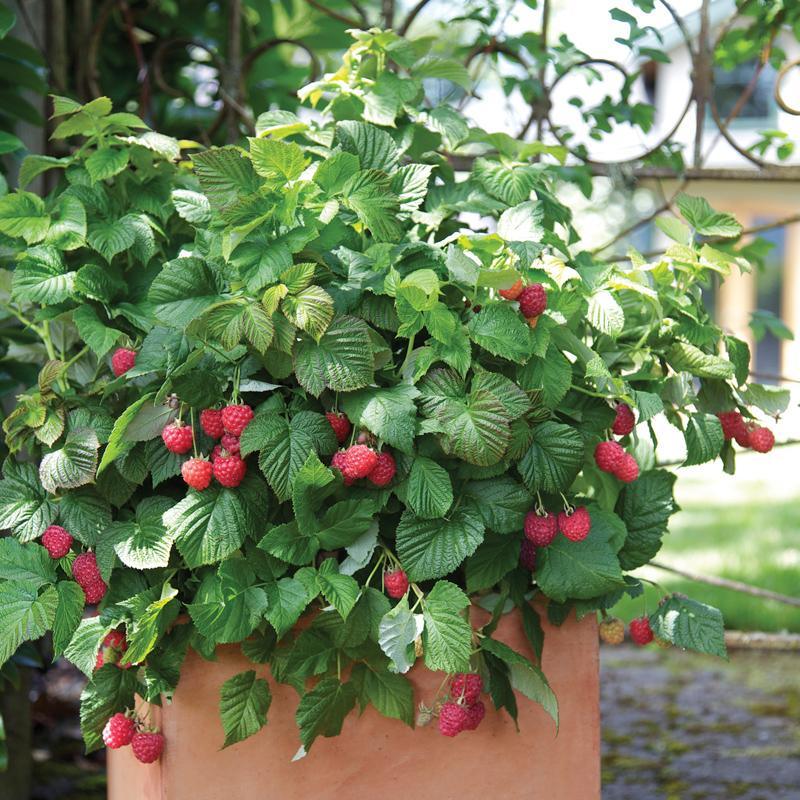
(730, 85)
(769, 282)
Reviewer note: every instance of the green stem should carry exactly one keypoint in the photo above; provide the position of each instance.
(409, 350)
(75, 358)
(24, 320)
(590, 393)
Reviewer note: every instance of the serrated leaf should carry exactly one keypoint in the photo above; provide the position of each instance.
(85, 514)
(74, 464)
(522, 223)
(106, 162)
(110, 237)
(389, 413)
(704, 219)
(153, 613)
(276, 160)
(447, 635)
(67, 223)
(391, 694)
(41, 277)
(429, 493)
(68, 615)
(98, 336)
(25, 615)
(491, 562)
(110, 690)
(605, 313)
(311, 310)
(501, 502)
(323, 709)
(30, 563)
(23, 214)
(554, 459)
(704, 439)
(685, 357)
(191, 206)
(144, 543)
(183, 289)
(690, 625)
(341, 591)
(286, 601)
(397, 631)
(552, 375)
(24, 507)
(501, 331)
(243, 705)
(374, 147)
(82, 648)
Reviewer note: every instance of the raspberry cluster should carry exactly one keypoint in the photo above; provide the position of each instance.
(746, 434)
(464, 710)
(111, 650)
(611, 457)
(87, 575)
(122, 730)
(532, 300)
(362, 461)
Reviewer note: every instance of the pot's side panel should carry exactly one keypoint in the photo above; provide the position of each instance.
(373, 754)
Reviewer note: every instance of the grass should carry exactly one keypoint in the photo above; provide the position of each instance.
(745, 527)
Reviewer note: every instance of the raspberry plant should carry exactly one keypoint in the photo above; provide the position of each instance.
(329, 297)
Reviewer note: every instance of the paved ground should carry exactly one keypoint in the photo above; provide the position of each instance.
(678, 726)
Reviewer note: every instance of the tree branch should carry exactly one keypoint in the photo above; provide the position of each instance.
(412, 15)
(329, 12)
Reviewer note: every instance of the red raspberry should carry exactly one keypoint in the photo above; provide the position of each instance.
(513, 292)
(533, 300)
(743, 436)
(396, 583)
(627, 470)
(340, 424)
(147, 747)
(116, 640)
(230, 443)
(99, 660)
(640, 630)
(122, 360)
(575, 526)
(177, 437)
(762, 440)
(608, 456)
(211, 422)
(475, 714)
(540, 530)
(236, 418)
(625, 420)
(527, 555)
(359, 460)
(383, 472)
(84, 569)
(466, 686)
(57, 541)
(337, 462)
(94, 592)
(229, 470)
(732, 423)
(612, 630)
(197, 473)
(119, 731)
(452, 719)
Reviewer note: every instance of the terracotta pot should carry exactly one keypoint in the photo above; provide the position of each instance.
(375, 756)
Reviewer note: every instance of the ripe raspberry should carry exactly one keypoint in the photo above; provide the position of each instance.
(211, 422)
(383, 472)
(230, 443)
(229, 470)
(84, 569)
(197, 473)
(95, 591)
(177, 437)
(337, 462)
(625, 420)
(118, 731)
(359, 460)
(627, 470)
(540, 530)
(116, 640)
(466, 686)
(147, 747)
(608, 456)
(612, 630)
(396, 583)
(743, 436)
(218, 451)
(235, 418)
(532, 300)
(527, 555)
(640, 631)
(475, 714)
(732, 423)
(452, 719)
(122, 360)
(762, 440)
(57, 541)
(340, 424)
(575, 526)
(99, 660)
(513, 292)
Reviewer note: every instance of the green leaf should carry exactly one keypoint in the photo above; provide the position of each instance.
(341, 360)
(707, 222)
(772, 400)
(685, 357)
(311, 310)
(704, 439)
(429, 493)
(286, 601)
(23, 214)
(391, 694)
(98, 336)
(374, 147)
(110, 690)
(476, 429)
(368, 193)
(323, 709)
(153, 614)
(243, 705)
(67, 223)
(288, 543)
(41, 277)
(343, 523)
(144, 543)
(443, 69)
(105, 163)
(341, 591)
(502, 331)
(74, 464)
(554, 459)
(645, 507)
(82, 648)
(24, 507)
(225, 173)
(183, 289)
(236, 320)
(648, 405)
(30, 563)
(605, 313)
(117, 442)
(396, 634)
(522, 223)
(68, 615)
(433, 548)
(191, 206)
(112, 236)
(551, 374)
(447, 635)
(492, 561)
(690, 625)
(276, 160)
(501, 502)
(510, 183)
(389, 413)
(25, 615)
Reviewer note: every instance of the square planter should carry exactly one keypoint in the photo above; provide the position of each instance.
(373, 755)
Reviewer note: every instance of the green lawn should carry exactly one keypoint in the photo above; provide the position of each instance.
(745, 527)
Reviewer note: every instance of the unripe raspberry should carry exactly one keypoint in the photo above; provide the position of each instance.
(513, 292)
(235, 418)
(762, 440)
(57, 541)
(383, 472)
(85, 570)
(612, 630)
(466, 686)
(197, 473)
(147, 747)
(452, 719)
(122, 360)
(575, 526)
(396, 583)
(475, 714)
(118, 731)
(533, 300)
(625, 420)
(627, 470)
(340, 424)
(229, 470)
(540, 530)
(177, 437)
(211, 422)
(608, 456)
(640, 631)
(359, 460)
(527, 555)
